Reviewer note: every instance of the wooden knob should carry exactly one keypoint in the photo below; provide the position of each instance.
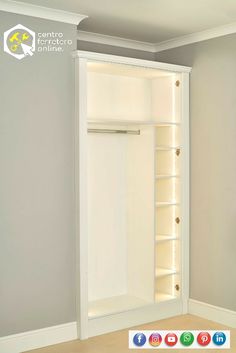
(177, 152)
(177, 220)
(177, 83)
(177, 287)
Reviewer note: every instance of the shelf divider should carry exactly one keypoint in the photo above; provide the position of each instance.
(167, 148)
(131, 122)
(166, 176)
(161, 272)
(162, 238)
(160, 297)
(165, 204)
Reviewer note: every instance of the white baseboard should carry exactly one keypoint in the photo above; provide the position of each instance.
(214, 313)
(67, 332)
(39, 338)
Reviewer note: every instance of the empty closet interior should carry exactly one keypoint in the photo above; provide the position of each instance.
(134, 142)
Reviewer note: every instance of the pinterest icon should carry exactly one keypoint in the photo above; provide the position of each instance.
(203, 338)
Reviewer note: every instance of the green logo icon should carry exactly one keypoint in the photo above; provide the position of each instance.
(186, 338)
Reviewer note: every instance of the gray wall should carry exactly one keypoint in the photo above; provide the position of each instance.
(213, 167)
(109, 49)
(37, 259)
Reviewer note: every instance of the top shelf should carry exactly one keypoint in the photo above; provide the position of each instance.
(131, 122)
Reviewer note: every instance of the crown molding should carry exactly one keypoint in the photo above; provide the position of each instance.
(115, 41)
(161, 46)
(196, 37)
(47, 13)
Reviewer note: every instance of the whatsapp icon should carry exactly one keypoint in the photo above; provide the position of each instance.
(186, 338)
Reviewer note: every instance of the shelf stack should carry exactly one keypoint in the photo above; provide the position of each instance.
(167, 201)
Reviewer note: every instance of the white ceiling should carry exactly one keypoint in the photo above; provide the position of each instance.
(151, 21)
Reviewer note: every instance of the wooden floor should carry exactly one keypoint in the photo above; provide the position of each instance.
(117, 342)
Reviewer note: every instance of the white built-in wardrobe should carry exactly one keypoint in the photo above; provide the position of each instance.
(132, 191)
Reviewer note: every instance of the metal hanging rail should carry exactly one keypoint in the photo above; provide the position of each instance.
(114, 131)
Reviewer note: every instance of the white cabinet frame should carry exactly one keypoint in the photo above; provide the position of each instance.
(91, 327)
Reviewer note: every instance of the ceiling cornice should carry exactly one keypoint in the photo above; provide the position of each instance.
(161, 46)
(75, 18)
(41, 12)
(115, 41)
(196, 37)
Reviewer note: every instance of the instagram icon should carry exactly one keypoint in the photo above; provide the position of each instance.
(155, 339)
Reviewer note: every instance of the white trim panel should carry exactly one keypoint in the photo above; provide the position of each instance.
(185, 191)
(81, 197)
(41, 12)
(213, 313)
(129, 61)
(137, 317)
(116, 41)
(196, 37)
(38, 338)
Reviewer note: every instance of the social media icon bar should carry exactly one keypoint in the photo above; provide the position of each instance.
(164, 339)
(155, 339)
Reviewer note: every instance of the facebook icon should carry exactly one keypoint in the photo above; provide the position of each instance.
(139, 339)
(219, 338)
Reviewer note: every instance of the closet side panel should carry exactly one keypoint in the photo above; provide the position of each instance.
(107, 263)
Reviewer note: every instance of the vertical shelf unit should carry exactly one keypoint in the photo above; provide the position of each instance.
(132, 191)
(168, 219)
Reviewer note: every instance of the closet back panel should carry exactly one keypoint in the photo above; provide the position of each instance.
(166, 223)
(168, 136)
(141, 214)
(107, 267)
(166, 102)
(121, 215)
(118, 97)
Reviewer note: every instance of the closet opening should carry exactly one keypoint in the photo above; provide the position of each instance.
(134, 181)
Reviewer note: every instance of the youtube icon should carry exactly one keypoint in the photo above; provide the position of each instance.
(171, 339)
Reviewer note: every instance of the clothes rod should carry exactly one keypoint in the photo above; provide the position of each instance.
(111, 131)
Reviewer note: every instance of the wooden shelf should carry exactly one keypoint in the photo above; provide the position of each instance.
(112, 305)
(131, 122)
(166, 176)
(160, 238)
(161, 272)
(167, 148)
(165, 204)
(161, 297)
